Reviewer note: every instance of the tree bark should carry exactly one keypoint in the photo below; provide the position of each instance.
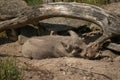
(72, 10)
(114, 46)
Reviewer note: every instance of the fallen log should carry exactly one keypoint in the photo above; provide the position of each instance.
(114, 46)
(72, 10)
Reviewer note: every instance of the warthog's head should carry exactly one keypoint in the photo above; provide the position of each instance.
(76, 46)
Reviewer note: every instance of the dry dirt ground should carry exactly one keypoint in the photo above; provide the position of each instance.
(65, 68)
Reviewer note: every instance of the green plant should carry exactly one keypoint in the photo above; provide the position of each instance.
(9, 70)
(34, 2)
(94, 2)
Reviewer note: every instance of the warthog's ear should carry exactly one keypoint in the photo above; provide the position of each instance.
(75, 37)
(73, 34)
(77, 41)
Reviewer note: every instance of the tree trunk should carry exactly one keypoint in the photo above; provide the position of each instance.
(72, 10)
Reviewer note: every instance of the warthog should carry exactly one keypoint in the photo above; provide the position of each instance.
(52, 46)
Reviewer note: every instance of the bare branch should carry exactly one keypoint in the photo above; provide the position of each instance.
(72, 10)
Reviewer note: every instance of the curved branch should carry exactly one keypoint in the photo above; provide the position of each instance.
(61, 9)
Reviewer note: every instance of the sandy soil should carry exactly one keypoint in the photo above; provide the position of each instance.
(65, 68)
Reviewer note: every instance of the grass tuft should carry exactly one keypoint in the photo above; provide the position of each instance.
(34, 2)
(9, 70)
(94, 2)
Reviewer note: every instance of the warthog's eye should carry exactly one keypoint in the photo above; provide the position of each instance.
(68, 48)
(75, 46)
